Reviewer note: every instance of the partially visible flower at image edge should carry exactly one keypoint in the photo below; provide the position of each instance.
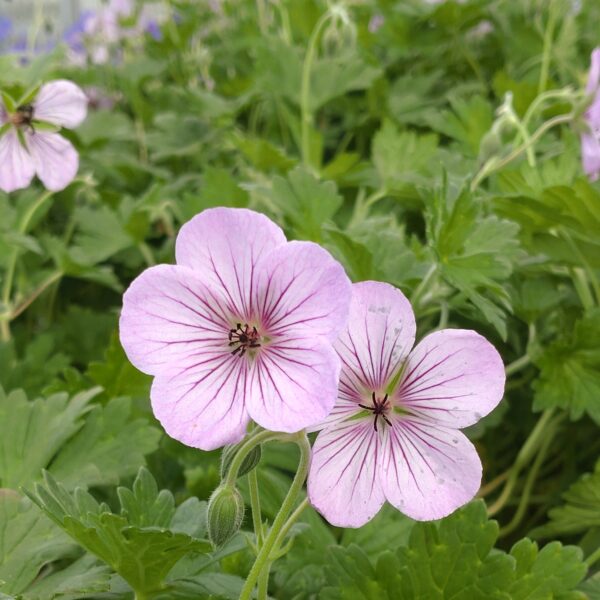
(394, 432)
(30, 143)
(590, 139)
(241, 327)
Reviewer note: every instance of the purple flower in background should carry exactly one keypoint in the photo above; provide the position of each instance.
(241, 327)
(96, 33)
(28, 148)
(394, 432)
(377, 21)
(590, 139)
(5, 28)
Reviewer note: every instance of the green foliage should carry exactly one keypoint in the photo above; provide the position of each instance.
(53, 434)
(580, 511)
(475, 253)
(141, 543)
(455, 558)
(570, 370)
(399, 117)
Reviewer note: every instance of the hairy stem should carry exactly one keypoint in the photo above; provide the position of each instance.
(247, 446)
(255, 505)
(264, 555)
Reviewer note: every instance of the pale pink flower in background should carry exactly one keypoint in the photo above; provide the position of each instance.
(590, 139)
(394, 432)
(28, 149)
(241, 327)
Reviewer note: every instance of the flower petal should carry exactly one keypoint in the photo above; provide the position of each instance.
(343, 481)
(454, 376)
(593, 81)
(302, 289)
(16, 166)
(169, 319)
(223, 246)
(293, 383)
(61, 103)
(379, 335)
(428, 471)
(55, 160)
(203, 405)
(590, 155)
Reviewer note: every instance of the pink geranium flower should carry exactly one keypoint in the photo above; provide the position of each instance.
(28, 148)
(394, 432)
(590, 139)
(241, 327)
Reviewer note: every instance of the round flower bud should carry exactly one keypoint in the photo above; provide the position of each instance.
(225, 514)
(252, 459)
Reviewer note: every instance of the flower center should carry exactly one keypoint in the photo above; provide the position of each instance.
(243, 338)
(23, 116)
(380, 408)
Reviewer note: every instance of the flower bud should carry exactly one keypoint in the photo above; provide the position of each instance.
(490, 145)
(252, 459)
(225, 514)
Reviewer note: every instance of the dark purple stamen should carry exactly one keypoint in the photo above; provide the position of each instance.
(379, 409)
(243, 338)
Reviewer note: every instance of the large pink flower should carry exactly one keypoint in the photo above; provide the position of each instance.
(590, 140)
(394, 432)
(27, 148)
(241, 327)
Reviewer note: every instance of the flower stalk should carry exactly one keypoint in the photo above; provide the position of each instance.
(264, 558)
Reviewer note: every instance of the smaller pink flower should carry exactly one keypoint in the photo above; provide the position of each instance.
(394, 432)
(590, 140)
(27, 148)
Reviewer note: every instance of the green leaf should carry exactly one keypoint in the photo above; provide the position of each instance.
(111, 445)
(334, 76)
(305, 202)
(402, 157)
(142, 554)
(28, 541)
(455, 558)
(570, 370)
(580, 511)
(83, 578)
(81, 443)
(356, 257)
(117, 375)
(548, 573)
(32, 433)
(476, 253)
(467, 122)
(100, 235)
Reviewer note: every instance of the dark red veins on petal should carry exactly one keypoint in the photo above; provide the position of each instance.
(243, 338)
(380, 408)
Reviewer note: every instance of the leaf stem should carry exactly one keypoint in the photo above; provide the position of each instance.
(422, 287)
(264, 555)
(592, 558)
(494, 164)
(306, 115)
(531, 479)
(546, 56)
(247, 446)
(12, 261)
(255, 505)
(517, 365)
(525, 454)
